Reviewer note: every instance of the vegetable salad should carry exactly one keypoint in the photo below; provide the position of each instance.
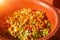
(28, 24)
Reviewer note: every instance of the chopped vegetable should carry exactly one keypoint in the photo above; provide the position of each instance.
(28, 24)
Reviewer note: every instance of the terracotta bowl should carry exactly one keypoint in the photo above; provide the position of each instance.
(51, 13)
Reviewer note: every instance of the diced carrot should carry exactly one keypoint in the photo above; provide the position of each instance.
(43, 24)
(38, 19)
(34, 10)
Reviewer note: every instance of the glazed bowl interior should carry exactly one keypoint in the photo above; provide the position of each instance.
(39, 5)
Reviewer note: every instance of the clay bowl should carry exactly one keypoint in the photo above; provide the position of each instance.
(51, 14)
